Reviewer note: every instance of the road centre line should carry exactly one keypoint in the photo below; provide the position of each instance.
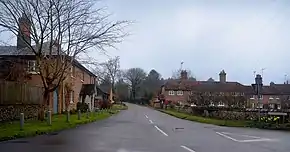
(146, 116)
(190, 150)
(150, 121)
(160, 130)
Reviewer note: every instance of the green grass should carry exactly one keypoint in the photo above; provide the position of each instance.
(219, 122)
(12, 130)
(119, 107)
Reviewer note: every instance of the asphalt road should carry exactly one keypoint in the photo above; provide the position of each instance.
(141, 129)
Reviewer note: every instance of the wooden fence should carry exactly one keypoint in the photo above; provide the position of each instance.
(19, 93)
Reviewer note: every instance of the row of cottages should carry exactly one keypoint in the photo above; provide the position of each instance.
(184, 90)
(70, 91)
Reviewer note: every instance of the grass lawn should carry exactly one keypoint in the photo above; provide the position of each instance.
(219, 122)
(34, 127)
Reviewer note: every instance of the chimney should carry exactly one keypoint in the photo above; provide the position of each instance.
(183, 74)
(24, 32)
(223, 77)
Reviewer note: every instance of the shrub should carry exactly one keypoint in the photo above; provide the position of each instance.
(83, 107)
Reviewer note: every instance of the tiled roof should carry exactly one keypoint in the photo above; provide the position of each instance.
(203, 85)
(282, 88)
(12, 50)
(208, 86)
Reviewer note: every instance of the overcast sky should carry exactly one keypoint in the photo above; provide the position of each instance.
(239, 36)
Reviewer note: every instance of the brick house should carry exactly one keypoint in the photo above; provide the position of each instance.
(217, 93)
(18, 63)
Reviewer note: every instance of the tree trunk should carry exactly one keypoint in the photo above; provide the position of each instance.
(45, 103)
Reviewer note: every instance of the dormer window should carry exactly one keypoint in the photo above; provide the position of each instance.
(179, 93)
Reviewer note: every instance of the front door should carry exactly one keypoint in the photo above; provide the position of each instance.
(55, 101)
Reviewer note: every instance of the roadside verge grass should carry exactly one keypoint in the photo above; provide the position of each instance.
(218, 122)
(12, 130)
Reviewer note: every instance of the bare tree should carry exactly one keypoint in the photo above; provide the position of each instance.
(56, 32)
(111, 69)
(134, 76)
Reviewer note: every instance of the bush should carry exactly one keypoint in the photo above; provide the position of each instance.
(83, 107)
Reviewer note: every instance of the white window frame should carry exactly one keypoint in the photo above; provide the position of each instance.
(221, 104)
(252, 97)
(32, 69)
(271, 98)
(179, 93)
(171, 93)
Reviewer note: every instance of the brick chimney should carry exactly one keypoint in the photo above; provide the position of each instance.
(223, 76)
(24, 32)
(183, 74)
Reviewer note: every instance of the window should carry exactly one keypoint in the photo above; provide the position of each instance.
(252, 97)
(72, 71)
(71, 98)
(32, 66)
(83, 77)
(171, 93)
(260, 97)
(272, 106)
(278, 106)
(221, 104)
(179, 93)
(271, 98)
(242, 94)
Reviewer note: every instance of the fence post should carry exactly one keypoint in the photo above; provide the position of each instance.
(49, 117)
(21, 121)
(88, 113)
(67, 116)
(79, 114)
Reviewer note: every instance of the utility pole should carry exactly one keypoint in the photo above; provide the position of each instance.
(263, 71)
(181, 65)
(258, 86)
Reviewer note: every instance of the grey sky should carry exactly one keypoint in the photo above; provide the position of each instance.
(208, 35)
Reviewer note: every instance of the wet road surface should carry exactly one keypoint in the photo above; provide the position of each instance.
(141, 129)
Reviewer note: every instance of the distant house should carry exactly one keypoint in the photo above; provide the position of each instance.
(217, 93)
(18, 63)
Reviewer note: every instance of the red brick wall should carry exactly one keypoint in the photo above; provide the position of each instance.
(175, 98)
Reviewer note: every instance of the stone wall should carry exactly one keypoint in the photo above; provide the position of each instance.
(12, 112)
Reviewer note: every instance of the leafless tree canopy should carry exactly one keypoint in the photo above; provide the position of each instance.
(62, 28)
(110, 68)
(134, 77)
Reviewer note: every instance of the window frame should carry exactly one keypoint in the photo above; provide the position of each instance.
(32, 68)
(179, 93)
(171, 92)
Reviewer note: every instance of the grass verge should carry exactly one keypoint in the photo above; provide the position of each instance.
(120, 107)
(12, 130)
(219, 122)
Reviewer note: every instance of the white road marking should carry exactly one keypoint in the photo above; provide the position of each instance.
(227, 133)
(233, 139)
(146, 116)
(190, 150)
(253, 140)
(256, 139)
(161, 131)
(151, 121)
